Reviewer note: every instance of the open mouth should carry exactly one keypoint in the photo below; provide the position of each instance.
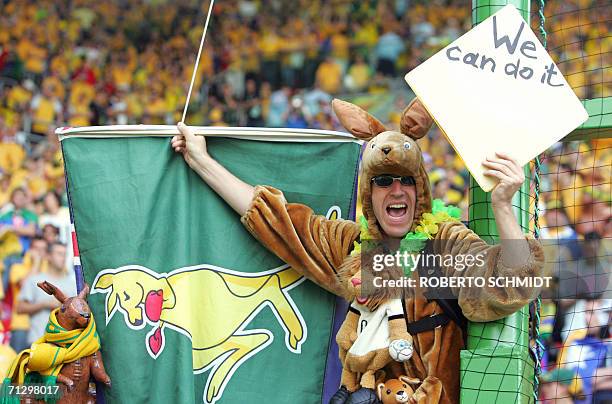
(362, 300)
(397, 210)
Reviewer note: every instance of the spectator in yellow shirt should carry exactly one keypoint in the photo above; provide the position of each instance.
(79, 112)
(54, 83)
(12, 154)
(359, 75)
(19, 97)
(47, 110)
(122, 77)
(340, 48)
(270, 45)
(157, 108)
(329, 76)
(32, 54)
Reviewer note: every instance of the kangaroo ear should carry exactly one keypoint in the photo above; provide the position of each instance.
(52, 290)
(104, 282)
(84, 292)
(357, 121)
(415, 121)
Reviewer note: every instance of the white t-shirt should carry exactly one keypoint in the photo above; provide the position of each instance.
(30, 292)
(373, 326)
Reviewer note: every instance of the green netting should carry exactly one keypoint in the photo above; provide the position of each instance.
(497, 365)
(579, 42)
(573, 198)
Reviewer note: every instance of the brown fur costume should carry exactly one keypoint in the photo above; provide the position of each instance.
(319, 248)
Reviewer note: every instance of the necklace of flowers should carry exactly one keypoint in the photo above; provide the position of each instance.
(427, 228)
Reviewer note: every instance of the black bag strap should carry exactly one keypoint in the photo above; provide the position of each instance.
(450, 307)
(453, 311)
(428, 323)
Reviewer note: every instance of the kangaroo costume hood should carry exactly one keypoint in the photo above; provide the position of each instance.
(389, 152)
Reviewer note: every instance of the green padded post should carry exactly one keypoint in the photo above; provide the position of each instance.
(599, 123)
(497, 367)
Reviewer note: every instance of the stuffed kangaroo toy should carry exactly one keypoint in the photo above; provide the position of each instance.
(372, 325)
(68, 353)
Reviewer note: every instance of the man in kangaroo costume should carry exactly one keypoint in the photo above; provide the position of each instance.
(395, 195)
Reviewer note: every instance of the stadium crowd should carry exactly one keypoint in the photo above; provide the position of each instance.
(277, 64)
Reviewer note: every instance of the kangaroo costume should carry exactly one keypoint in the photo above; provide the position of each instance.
(320, 249)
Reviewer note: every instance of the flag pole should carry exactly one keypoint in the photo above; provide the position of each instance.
(197, 61)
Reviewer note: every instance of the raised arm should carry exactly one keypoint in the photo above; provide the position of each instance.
(237, 193)
(514, 248)
(516, 256)
(313, 245)
(490, 302)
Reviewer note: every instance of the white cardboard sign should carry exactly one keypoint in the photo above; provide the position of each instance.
(497, 89)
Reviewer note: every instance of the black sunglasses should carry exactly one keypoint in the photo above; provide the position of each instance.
(385, 180)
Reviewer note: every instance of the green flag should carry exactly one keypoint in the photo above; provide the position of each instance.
(189, 307)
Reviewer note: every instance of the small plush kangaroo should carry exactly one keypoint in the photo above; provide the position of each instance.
(75, 313)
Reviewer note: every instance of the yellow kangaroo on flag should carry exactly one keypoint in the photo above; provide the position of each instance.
(177, 301)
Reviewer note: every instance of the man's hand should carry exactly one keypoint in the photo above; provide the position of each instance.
(515, 250)
(192, 147)
(510, 176)
(234, 191)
